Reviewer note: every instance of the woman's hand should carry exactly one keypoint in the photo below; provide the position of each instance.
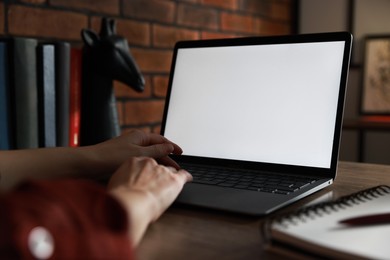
(138, 143)
(146, 189)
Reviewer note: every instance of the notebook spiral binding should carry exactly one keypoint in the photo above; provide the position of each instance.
(324, 208)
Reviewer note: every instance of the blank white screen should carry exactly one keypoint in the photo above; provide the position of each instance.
(266, 103)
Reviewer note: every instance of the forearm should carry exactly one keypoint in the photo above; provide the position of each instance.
(145, 190)
(140, 208)
(90, 161)
(18, 165)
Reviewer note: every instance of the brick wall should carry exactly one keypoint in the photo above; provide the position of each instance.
(151, 27)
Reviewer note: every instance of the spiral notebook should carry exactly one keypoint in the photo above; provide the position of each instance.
(316, 230)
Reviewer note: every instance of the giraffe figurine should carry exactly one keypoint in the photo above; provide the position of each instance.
(106, 57)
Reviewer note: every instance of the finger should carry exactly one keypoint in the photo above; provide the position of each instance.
(143, 162)
(152, 139)
(184, 175)
(172, 169)
(167, 161)
(157, 150)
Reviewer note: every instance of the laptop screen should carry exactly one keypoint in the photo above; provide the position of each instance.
(270, 103)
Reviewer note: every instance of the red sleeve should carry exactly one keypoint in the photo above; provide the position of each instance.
(83, 221)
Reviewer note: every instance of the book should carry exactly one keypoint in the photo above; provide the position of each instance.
(317, 230)
(25, 93)
(75, 96)
(46, 95)
(5, 109)
(62, 89)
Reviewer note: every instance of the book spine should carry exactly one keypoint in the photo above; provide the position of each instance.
(5, 113)
(62, 78)
(75, 97)
(46, 95)
(25, 91)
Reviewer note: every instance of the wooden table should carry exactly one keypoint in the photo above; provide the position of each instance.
(193, 233)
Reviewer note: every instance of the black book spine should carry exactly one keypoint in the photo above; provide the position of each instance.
(46, 95)
(62, 82)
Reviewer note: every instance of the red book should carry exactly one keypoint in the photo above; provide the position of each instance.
(75, 97)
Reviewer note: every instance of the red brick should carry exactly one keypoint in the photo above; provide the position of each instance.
(237, 23)
(260, 25)
(100, 6)
(36, 22)
(217, 35)
(160, 85)
(265, 27)
(188, 1)
(154, 10)
(281, 11)
(119, 108)
(143, 112)
(167, 36)
(136, 33)
(2, 18)
(259, 7)
(150, 60)
(124, 91)
(34, 1)
(226, 4)
(198, 17)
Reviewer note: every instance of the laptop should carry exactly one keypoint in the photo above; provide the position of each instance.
(259, 118)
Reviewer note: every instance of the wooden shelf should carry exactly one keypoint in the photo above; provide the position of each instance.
(368, 123)
(364, 124)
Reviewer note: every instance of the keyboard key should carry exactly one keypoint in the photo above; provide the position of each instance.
(226, 184)
(210, 182)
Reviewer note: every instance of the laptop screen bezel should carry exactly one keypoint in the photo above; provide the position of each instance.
(285, 39)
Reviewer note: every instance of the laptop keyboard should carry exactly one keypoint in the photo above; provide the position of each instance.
(248, 180)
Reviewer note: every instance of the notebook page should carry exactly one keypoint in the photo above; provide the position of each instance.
(321, 232)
